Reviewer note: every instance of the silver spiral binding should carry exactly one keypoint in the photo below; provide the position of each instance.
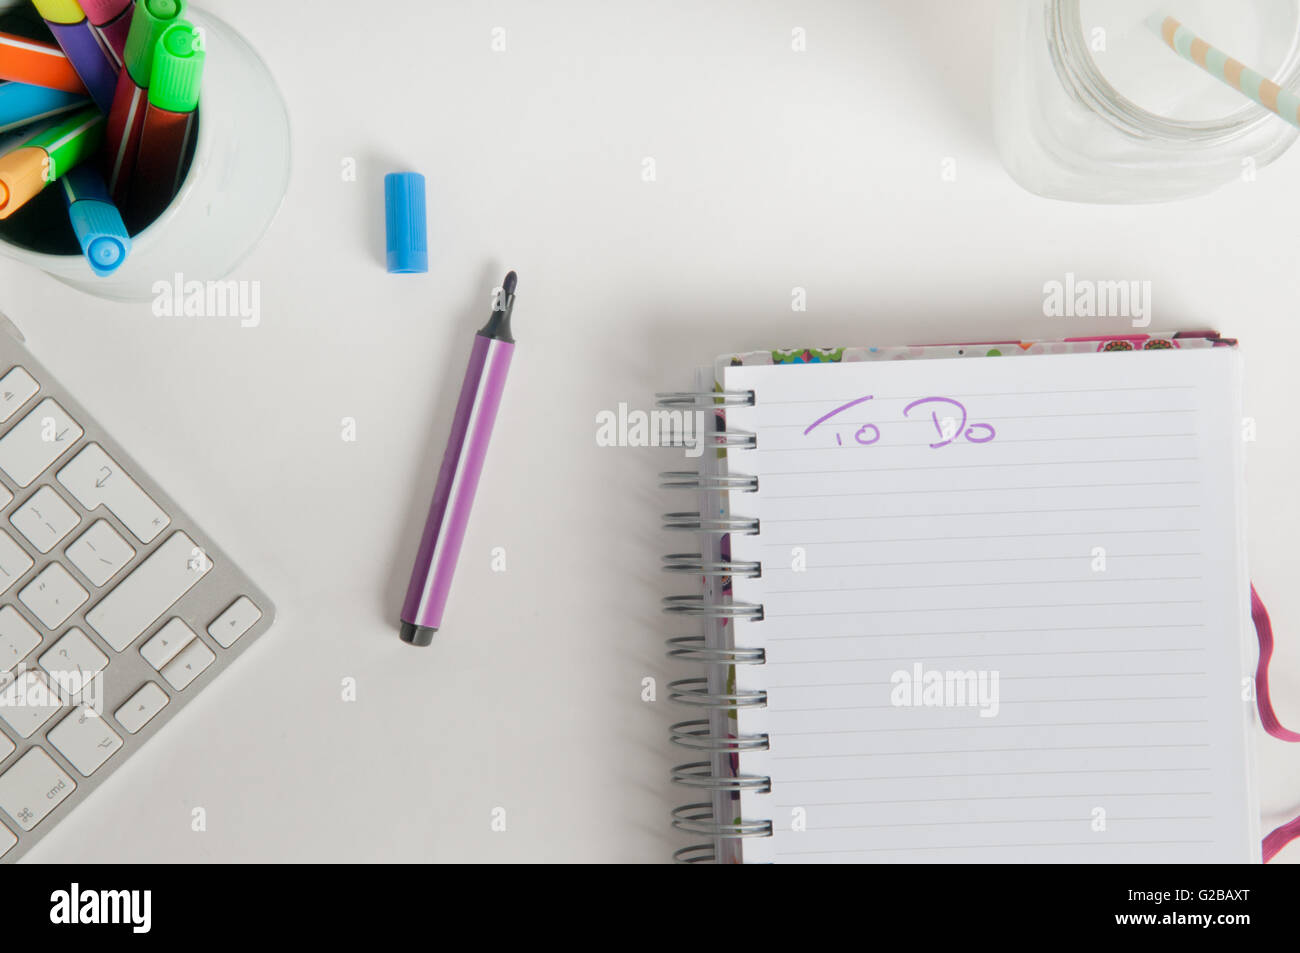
(694, 648)
(695, 693)
(716, 526)
(705, 400)
(699, 774)
(691, 480)
(693, 564)
(698, 819)
(694, 734)
(706, 737)
(702, 608)
(695, 854)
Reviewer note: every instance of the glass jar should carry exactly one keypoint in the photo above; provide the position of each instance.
(1090, 105)
(235, 183)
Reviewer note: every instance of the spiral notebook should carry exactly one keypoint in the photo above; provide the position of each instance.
(970, 604)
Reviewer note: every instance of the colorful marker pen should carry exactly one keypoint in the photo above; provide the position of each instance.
(44, 157)
(98, 224)
(112, 21)
(88, 53)
(21, 104)
(131, 99)
(168, 133)
(40, 64)
(462, 465)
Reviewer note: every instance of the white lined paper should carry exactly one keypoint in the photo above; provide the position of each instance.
(1118, 690)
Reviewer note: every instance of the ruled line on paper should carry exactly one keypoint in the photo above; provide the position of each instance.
(975, 466)
(1155, 650)
(983, 536)
(897, 754)
(982, 559)
(994, 797)
(1068, 628)
(1011, 701)
(996, 774)
(975, 513)
(1013, 820)
(1002, 441)
(904, 850)
(980, 585)
(1005, 678)
(1041, 605)
(950, 490)
(966, 393)
(1019, 726)
(1090, 414)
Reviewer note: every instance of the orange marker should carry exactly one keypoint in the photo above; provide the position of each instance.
(46, 156)
(38, 64)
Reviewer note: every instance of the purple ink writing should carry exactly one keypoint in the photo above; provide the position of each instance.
(946, 430)
(953, 425)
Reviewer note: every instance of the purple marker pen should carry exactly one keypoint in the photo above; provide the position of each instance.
(462, 464)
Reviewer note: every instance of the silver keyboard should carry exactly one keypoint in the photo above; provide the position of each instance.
(115, 608)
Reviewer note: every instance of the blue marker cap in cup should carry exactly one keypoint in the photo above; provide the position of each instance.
(408, 242)
(96, 221)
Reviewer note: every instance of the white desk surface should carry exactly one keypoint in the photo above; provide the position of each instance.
(775, 169)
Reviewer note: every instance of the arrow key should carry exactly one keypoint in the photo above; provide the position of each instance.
(188, 665)
(141, 707)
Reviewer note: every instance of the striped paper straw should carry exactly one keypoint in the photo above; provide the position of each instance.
(1223, 67)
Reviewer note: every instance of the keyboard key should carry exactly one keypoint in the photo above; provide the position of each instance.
(14, 561)
(6, 746)
(53, 595)
(27, 702)
(7, 840)
(36, 441)
(32, 787)
(234, 622)
(94, 478)
(17, 638)
(73, 654)
(142, 597)
(85, 739)
(100, 552)
(169, 640)
(141, 707)
(45, 519)
(188, 665)
(16, 388)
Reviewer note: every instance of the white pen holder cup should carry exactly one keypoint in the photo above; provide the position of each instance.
(231, 192)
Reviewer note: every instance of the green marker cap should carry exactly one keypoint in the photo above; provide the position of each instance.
(177, 69)
(148, 21)
(71, 140)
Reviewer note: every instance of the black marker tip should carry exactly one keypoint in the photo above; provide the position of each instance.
(508, 286)
(413, 634)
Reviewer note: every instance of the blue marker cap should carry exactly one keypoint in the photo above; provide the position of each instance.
(408, 241)
(103, 237)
